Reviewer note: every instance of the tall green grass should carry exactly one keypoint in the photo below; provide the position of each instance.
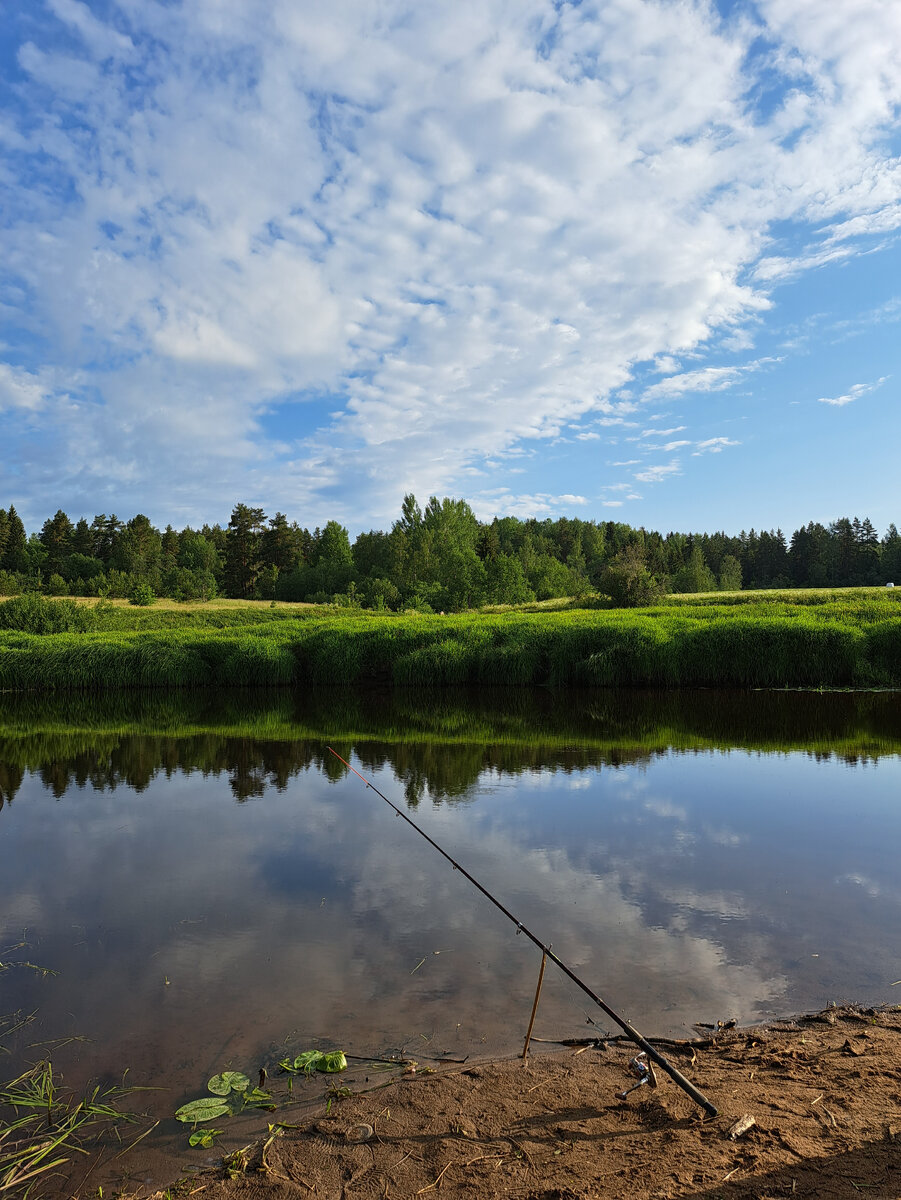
(846, 642)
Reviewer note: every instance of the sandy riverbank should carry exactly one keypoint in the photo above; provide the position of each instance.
(824, 1091)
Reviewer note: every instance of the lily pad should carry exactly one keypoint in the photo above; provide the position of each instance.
(204, 1137)
(228, 1081)
(207, 1109)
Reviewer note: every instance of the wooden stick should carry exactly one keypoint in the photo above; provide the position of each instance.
(525, 1049)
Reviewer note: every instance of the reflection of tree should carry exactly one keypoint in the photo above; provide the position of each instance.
(437, 745)
(10, 781)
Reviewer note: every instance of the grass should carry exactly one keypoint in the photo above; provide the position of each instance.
(807, 639)
(47, 1125)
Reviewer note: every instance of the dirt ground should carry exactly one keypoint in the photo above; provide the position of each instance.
(824, 1092)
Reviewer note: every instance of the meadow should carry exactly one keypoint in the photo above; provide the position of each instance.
(838, 638)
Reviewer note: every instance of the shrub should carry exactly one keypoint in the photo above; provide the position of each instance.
(32, 613)
(141, 595)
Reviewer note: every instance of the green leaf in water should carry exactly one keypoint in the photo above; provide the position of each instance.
(204, 1137)
(207, 1109)
(228, 1081)
(314, 1060)
(307, 1062)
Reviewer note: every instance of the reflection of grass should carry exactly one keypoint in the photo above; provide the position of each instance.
(47, 1126)
(436, 742)
(761, 640)
(7, 964)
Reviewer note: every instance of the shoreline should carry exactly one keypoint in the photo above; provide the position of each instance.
(822, 1090)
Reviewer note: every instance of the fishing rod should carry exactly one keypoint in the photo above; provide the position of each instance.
(676, 1075)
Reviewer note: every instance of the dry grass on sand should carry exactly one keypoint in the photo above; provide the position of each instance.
(824, 1091)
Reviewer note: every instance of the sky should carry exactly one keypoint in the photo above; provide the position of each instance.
(633, 260)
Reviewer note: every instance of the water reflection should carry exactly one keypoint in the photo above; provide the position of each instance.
(692, 857)
(264, 740)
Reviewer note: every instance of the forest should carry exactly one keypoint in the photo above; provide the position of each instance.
(439, 558)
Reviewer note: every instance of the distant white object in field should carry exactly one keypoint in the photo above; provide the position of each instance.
(889, 585)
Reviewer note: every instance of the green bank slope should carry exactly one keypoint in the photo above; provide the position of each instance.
(851, 640)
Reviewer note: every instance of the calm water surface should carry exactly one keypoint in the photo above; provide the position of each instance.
(212, 889)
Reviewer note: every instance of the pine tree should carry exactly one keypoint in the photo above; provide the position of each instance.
(56, 538)
(14, 554)
(243, 559)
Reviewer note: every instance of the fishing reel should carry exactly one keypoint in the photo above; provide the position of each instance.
(643, 1071)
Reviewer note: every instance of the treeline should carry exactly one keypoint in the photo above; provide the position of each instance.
(440, 558)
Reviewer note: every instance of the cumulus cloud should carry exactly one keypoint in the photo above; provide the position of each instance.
(320, 257)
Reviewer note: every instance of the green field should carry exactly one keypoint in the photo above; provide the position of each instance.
(846, 638)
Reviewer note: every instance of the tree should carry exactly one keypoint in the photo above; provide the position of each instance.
(14, 556)
(106, 531)
(695, 576)
(138, 550)
(169, 547)
(809, 556)
(730, 574)
(505, 581)
(627, 580)
(841, 533)
(891, 555)
(83, 539)
(332, 559)
(867, 567)
(282, 547)
(56, 538)
(243, 546)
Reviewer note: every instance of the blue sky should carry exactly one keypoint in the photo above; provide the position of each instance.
(633, 260)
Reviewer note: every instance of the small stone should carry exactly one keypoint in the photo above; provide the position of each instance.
(741, 1126)
(359, 1133)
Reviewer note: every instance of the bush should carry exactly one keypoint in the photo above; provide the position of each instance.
(141, 595)
(56, 586)
(32, 613)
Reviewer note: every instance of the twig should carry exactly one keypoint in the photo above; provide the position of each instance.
(525, 1049)
(437, 1181)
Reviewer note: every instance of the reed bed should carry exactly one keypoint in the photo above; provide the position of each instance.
(852, 641)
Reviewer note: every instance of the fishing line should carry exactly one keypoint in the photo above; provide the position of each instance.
(651, 1051)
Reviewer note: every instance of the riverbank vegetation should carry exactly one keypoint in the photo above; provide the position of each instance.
(440, 558)
(826, 640)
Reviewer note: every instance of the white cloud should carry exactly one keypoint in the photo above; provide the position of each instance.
(503, 503)
(658, 473)
(853, 393)
(458, 226)
(714, 445)
(21, 390)
(662, 432)
(705, 379)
